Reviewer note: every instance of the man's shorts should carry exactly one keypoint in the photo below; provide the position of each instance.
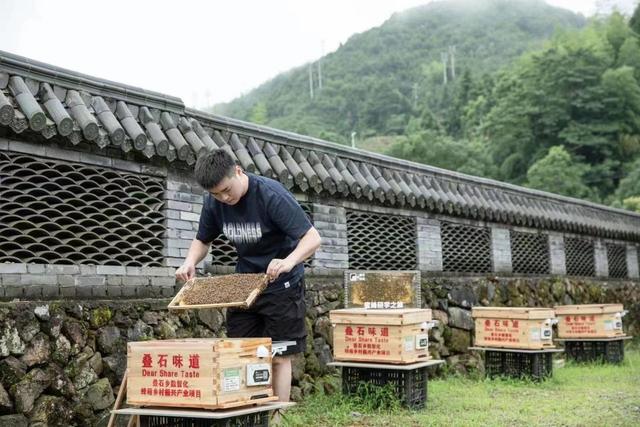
(279, 315)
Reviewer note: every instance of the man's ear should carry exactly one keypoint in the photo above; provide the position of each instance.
(239, 170)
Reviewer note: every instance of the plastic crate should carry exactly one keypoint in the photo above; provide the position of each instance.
(595, 351)
(536, 366)
(258, 419)
(410, 385)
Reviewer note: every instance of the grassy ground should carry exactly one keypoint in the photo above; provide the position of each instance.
(577, 395)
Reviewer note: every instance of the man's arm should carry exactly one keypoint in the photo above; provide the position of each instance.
(197, 251)
(308, 244)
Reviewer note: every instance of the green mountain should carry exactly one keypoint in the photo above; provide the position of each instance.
(376, 81)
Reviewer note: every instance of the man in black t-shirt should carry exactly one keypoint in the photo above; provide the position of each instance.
(271, 234)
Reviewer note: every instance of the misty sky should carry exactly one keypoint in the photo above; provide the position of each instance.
(204, 52)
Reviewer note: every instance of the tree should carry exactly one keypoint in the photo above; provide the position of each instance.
(259, 114)
(634, 22)
(558, 173)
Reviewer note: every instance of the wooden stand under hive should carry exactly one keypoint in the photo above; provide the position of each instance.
(200, 373)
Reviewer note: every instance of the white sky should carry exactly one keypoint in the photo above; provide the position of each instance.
(204, 52)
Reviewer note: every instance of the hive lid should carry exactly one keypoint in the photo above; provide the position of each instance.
(588, 309)
(513, 312)
(398, 316)
(231, 290)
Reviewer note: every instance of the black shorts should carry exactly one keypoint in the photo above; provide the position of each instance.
(278, 315)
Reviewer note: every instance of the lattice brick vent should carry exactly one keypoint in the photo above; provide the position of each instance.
(225, 254)
(381, 242)
(617, 258)
(529, 253)
(70, 213)
(465, 248)
(579, 255)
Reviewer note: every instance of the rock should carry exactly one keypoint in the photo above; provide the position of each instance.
(212, 318)
(440, 316)
(121, 320)
(463, 296)
(114, 367)
(99, 395)
(460, 318)
(6, 405)
(460, 340)
(150, 317)
(81, 372)
(165, 331)
(100, 317)
(307, 385)
(38, 351)
(331, 384)
(10, 341)
(27, 325)
(61, 385)
(51, 411)
(96, 363)
(297, 367)
(110, 340)
(42, 312)
(312, 365)
(29, 389)
(61, 350)
(14, 420)
(567, 300)
(11, 371)
(53, 326)
(443, 304)
(140, 332)
(557, 289)
(322, 327)
(76, 332)
(296, 394)
(325, 356)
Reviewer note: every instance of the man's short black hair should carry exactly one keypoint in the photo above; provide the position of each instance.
(213, 167)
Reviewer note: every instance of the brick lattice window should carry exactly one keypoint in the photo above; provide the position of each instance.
(617, 259)
(70, 213)
(381, 242)
(580, 257)
(465, 248)
(224, 254)
(530, 253)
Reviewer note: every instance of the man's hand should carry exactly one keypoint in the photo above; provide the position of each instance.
(277, 267)
(186, 272)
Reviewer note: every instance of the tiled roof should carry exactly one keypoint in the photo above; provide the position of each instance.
(47, 100)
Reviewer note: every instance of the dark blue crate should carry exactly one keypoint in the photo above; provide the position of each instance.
(258, 419)
(595, 351)
(535, 365)
(410, 386)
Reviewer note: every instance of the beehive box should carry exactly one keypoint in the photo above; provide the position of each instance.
(382, 289)
(514, 327)
(383, 336)
(199, 373)
(590, 321)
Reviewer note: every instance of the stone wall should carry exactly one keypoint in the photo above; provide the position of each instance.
(61, 362)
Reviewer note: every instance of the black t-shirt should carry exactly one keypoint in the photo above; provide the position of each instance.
(266, 223)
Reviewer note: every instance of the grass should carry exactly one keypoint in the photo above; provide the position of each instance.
(577, 395)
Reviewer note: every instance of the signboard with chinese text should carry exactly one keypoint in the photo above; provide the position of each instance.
(199, 373)
(382, 289)
(390, 336)
(590, 320)
(513, 327)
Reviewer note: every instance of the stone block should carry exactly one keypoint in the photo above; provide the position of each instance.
(111, 270)
(8, 268)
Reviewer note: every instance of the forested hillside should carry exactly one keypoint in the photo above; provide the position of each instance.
(379, 79)
(534, 96)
